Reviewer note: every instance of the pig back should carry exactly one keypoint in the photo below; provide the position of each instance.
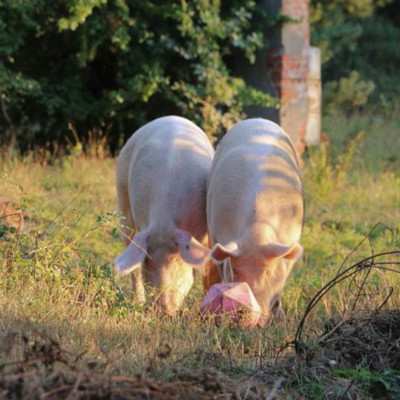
(255, 179)
(170, 159)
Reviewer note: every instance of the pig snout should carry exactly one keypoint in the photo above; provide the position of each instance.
(233, 301)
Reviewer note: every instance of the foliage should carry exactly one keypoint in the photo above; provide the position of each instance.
(348, 93)
(337, 25)
(360, 53)
(106, 67)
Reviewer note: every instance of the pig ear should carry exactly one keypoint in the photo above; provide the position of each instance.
(278, 250)
(133, 256)
(220, 252)
(191, 250)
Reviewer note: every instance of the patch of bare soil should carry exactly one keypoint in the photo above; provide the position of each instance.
(362, 336)
(353, 359)
(41, 369)
(358, 353)
(369, 340)
(38, 368)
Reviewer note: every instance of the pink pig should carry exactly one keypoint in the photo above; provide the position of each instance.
(255, 212)
(161, 182)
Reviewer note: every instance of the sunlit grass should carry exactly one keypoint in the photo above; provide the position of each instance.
(57, 275)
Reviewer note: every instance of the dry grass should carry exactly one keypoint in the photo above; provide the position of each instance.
(56, 282)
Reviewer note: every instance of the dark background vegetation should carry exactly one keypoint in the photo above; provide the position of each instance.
(84, 69)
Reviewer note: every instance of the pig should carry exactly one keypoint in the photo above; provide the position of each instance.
(255, 211)
(162, 174)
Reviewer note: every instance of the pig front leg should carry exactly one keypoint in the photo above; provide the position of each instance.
(277, 311)
(127, 223)
(139, 295)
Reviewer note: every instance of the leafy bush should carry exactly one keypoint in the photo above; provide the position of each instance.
(105, 67)
(348, 93)
(359, 42)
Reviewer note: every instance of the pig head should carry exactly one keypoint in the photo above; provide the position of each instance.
(255, 211)
(161, 184)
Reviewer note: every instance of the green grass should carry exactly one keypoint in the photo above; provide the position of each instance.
(57, 276)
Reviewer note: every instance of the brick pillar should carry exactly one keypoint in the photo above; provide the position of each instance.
(313, 130)
(281, 68)
(287, 59)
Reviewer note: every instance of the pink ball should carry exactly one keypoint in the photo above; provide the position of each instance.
(234, 299)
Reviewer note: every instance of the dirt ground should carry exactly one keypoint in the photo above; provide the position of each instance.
(38, 368)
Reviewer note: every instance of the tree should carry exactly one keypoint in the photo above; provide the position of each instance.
(107, 66)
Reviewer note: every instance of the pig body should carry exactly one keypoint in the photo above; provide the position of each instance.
(161, 183)
(255, 210)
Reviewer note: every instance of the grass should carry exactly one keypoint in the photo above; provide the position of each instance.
(56, 276)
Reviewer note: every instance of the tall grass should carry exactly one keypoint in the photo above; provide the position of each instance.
(56, 276)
